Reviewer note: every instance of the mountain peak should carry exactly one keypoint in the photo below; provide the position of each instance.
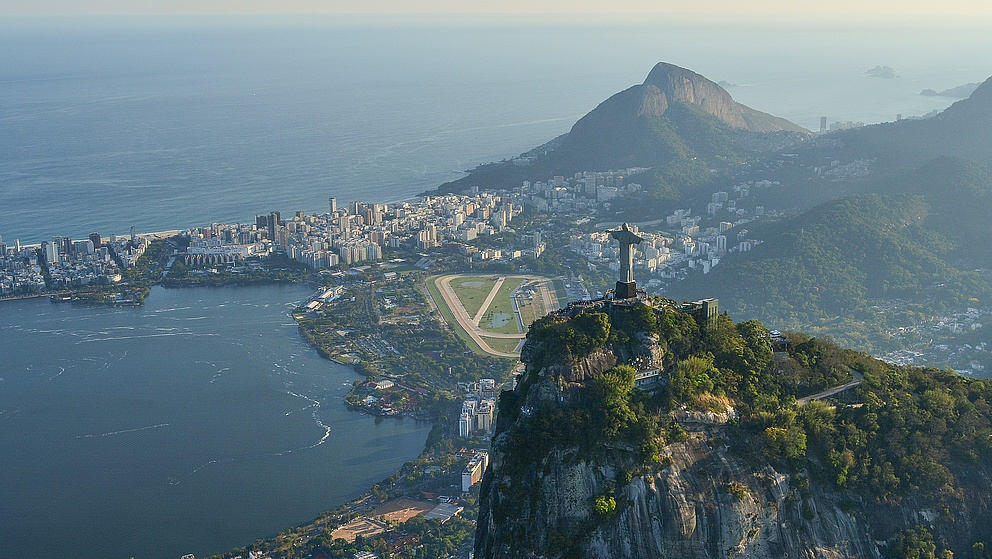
(668, 84)
(665, 73)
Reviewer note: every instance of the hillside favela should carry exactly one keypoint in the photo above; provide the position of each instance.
(295, 282)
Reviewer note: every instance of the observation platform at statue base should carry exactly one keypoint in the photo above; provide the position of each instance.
(626, 293)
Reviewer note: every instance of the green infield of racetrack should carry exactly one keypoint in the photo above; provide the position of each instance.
(472, 291)
(502, 306)
(506, 345)
(449, 317)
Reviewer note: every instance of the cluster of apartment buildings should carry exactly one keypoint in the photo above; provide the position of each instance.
(83, 262)
(592, 189)
(20, 271)
(70, 263)
(361, 231)
(582, 192)
(683, 246)
(357, 232)
(668, 255)
(478, 409)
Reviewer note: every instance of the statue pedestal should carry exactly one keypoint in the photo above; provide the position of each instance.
(626, 290)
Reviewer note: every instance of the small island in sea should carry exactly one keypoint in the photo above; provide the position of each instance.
(884, 72)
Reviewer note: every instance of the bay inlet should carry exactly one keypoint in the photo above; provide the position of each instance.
(194, 424)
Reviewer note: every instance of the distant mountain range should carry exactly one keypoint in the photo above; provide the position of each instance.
(912, 228)
(963, 130)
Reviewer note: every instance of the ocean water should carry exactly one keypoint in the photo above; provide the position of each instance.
(180, 123)
(197, 423)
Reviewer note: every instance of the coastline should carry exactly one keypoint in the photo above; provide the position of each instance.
(152, 236)
(33, 296)
(173, 341)
(430, 399)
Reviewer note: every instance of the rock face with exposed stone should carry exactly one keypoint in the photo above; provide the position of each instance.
(701, 500)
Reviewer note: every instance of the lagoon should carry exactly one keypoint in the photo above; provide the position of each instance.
(194, 424)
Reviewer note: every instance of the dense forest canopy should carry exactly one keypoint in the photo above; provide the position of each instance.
(903, 436)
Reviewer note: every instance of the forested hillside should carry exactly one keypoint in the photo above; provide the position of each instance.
(719, 456)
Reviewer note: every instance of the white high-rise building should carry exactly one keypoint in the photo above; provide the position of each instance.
(51, 253)
(465, 425)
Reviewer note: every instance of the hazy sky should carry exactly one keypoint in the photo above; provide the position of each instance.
(837, 10)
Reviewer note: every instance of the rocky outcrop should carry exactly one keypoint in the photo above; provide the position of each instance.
(703, 496)
(668, 84)
(700, 501)
(680, 85)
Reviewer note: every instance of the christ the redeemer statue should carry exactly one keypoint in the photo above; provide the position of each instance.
(626, 287)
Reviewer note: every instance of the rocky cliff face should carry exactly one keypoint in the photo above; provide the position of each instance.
(701, 498)
(668, 84)
(706, 503)
(675, 113)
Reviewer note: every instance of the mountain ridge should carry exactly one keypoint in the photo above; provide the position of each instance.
(962, 130)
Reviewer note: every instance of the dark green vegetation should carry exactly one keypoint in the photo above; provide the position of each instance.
(271, 269)
(912, 231)
(704, 366)
(829, 267)
(904, 439)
